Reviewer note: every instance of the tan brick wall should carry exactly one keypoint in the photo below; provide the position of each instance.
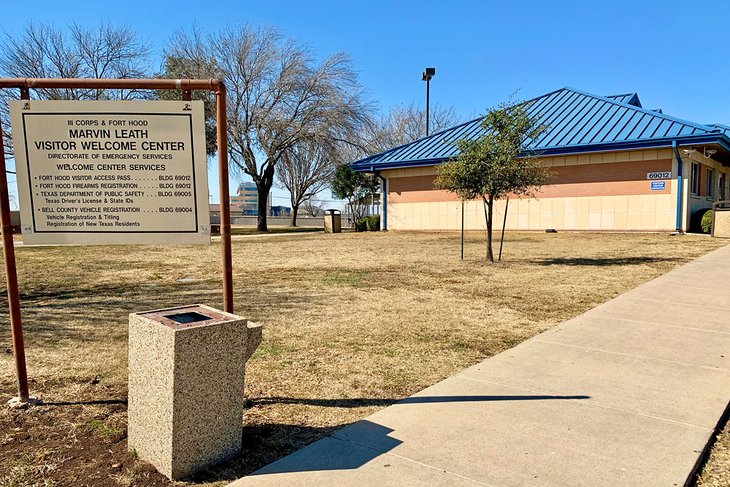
(619, 178)
(606, 191)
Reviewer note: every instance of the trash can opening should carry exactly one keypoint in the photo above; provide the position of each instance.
(189, 317)
(185, 317)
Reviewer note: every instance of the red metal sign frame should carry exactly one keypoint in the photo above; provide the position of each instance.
(183, 85)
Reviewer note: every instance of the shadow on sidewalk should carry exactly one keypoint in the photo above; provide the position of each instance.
(284, 443)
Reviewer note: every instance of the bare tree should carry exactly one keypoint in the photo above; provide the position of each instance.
(189, 57)
(47, 51)
(104, 51)
(406, 123)
(313, 207)
(278, 98)
(305, 170)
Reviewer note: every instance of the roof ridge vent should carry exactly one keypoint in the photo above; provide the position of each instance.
(628, 98)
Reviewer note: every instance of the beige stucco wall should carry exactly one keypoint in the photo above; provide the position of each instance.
(652, 210)
(693, 203)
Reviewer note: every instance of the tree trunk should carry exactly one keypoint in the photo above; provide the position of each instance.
(488, 207)
(294, 211)
(353, 224)
(261, 223)
(263, 185)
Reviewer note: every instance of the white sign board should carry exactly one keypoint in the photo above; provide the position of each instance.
(111, 172)
(659, 175)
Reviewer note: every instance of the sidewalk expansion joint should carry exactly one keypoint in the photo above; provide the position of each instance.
(591, 349)
(658, 301)
(690, 328)
(585, 402)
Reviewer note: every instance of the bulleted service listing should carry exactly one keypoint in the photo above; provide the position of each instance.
(111, 168)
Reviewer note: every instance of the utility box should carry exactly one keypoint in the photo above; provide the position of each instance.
(721, 219)
(332, 221)
(186, 376)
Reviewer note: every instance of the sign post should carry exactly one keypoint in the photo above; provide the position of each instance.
(58, 148)
(11, 278)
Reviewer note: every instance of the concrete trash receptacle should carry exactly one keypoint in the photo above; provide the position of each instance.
(721, 219)
(186, 376)
(332, 221)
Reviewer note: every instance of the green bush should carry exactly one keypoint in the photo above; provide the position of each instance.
(695, 221)
(706, 222)
(368, 224)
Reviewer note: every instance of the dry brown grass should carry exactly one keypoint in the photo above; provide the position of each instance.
(717, 470)
(352, 322)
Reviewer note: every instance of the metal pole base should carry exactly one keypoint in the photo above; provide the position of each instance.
(18, 403)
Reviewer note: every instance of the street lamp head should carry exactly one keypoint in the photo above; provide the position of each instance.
(428, 73)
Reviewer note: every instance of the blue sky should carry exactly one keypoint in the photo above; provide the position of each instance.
(670, 52)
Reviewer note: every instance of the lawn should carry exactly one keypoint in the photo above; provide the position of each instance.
(251, 230)
(353, 322)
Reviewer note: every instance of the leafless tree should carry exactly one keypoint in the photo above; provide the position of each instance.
(279, 98)
(187, 56)
(104, 51)
(313, 207)
(305, 170)
(47, 51)
(406, 123)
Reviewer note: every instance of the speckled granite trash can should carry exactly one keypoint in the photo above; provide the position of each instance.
(186, 375)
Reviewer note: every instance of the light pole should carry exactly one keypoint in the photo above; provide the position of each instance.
(428, 73)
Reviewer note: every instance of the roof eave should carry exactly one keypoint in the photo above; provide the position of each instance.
(715, 138)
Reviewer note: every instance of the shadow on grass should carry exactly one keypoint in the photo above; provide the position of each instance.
(364, 402)
(99, 402)
(262, 445)
(274, 230)
(608, 261)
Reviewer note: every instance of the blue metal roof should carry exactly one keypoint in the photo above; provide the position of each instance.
(628, 98)
(725, 129)
(577, 122)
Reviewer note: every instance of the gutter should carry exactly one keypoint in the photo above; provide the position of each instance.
(383, 201)
(680, 189)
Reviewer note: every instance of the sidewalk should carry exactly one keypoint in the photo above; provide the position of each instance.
(628, 393)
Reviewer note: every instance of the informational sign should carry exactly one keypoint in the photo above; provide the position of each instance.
(111, 172)
(659, 175)
(658, 185)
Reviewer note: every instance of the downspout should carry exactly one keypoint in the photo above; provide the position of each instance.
(680, 189)
(383, 200)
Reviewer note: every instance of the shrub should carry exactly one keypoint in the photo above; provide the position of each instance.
(695, 221)
(706, 221)
(368, 224)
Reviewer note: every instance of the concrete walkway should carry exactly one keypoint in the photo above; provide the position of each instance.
(628, 394)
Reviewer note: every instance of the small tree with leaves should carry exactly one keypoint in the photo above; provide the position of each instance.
(494, 164)
(355, 188)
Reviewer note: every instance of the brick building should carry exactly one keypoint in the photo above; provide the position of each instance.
(615, 166)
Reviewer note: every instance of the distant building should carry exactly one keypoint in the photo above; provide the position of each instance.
(247, 198)
(215, 212)
(279, 211)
